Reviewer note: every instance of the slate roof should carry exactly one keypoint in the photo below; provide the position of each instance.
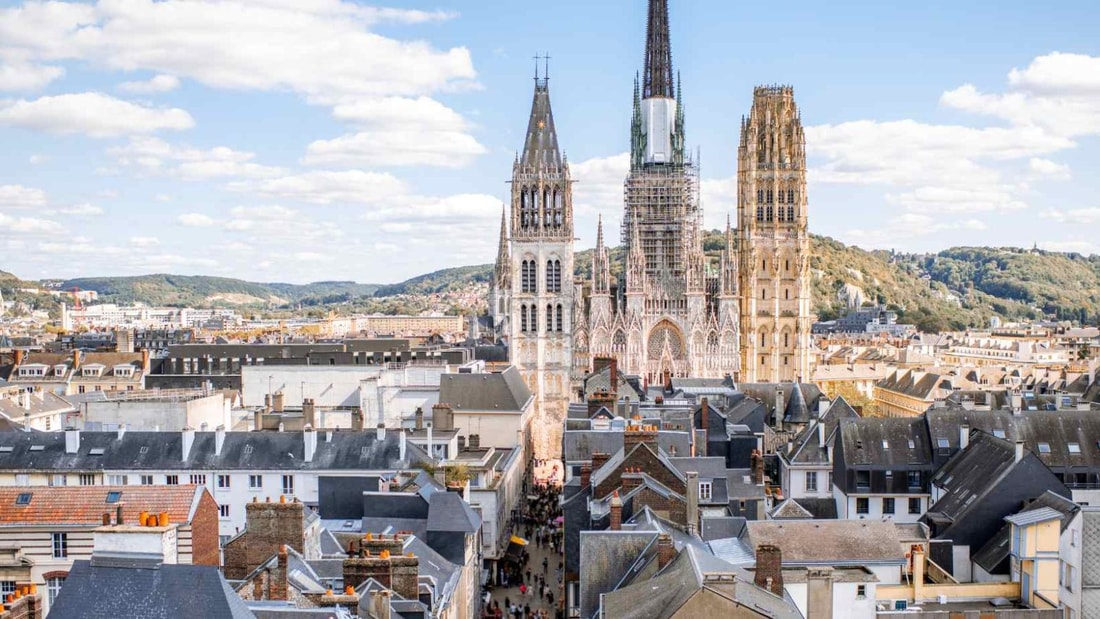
(803, 396)
(791, 510)
(240, 451)
(40, 403)
(808, 448)
(1034, 516)
(85, 505)
(496, 391)
(1067, 508)
(884, 442)
(99, 592)
(606, 556)
(993, 556)
(448, 512)
(836, 542)
(920, 385)
(579, 445)
(722, 527)
(820, 509)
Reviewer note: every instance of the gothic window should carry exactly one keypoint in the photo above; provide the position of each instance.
(534, 322)
(779, 197)
(786, 265)
(763, 294)
(553, 276)
(665, 338)
(759, 213)
(528, 276)
(560, 317)
(790, 213)
(523, 319)
(618, 341)
(524, 207)
(559, 215)
(786, 339)
(763, 338)
(771, 214)
(786, 294)
(712, 340)
(759, 196)
(549, 318)
(790, 196)
(764, 266)
(771, 196)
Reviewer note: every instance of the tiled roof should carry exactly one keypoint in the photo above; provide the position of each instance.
(504, 391)
(822, 542)
(85, 505)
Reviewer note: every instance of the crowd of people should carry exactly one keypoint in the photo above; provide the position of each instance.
(537, 584)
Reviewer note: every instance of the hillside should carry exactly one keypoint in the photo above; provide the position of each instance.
(202, 291)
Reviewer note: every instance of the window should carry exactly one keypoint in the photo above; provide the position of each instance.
(24, 498)
(147, 480)
(863, 505)
(255, 482)
(811, 481)
(87, 479)
(523, 319)
(7, 587)
(561, 315)
(223, 511)
(22, 479)
(1074, 537)
(114, 497)
(1067, 576)
(53, 587)
(534, 319)
(223, 482)
(549, 318)
(1075, 449)
(704, 491)
(172, 480)
(863, 479)
(1044, 448)
(943, 443)
(830, 480)
(999, 433)
(288, 485)
(914, 479)
(861, 591)
(198, 480)
(553, 276)
(116, 480)
(888, 505)
(60, 545)
(914, 506)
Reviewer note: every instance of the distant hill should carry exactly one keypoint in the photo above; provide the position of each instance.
(203, 291)
(952, 289)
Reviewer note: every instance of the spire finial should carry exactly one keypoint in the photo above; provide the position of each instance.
(658, 53)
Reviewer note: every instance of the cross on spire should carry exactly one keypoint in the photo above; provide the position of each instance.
(545, 64)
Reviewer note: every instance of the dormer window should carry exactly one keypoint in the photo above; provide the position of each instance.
(705, 490)
(93, 370)
(60, 369)
(125, 371)
(32, 371)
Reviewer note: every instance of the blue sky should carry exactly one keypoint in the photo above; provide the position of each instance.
(304, 140)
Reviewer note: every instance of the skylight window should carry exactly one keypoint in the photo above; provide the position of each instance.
(999, 433)
(912, 444)
(885, 444)
(98, 451)
(1044, 448)
(943, 443)
(6, 449)
(37, 447)
(114, 496)
(24, 498)
(1075, 448)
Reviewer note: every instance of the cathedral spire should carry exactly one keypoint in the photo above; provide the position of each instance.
(635, 260)
(541, 147)
(658, 53)
(502, 270)
(601, 267)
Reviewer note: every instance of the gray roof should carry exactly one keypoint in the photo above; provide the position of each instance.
(541, 146)
(579, 445)
(1062, 505)
(971, 474)
(830, 542)
(241, 451)
(605, 557)
(807, 446)
(1035, 516)
(448, 512)
(885, 442)
(993, 556)
(496, 391)
(99, 592)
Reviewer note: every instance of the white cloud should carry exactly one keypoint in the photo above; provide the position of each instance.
(958, 200)
(156, 84)
(268, 45)
(311, 256)
(155, 156)
(29, 225)
(1059, 73)
(195, 220)
(902, 228)
(1073, 245)
(37, 159)
(396, 147)
(600, 186)
(144, 241)
(21, 77)
(18, 196)
(437, 210)
(1078, 216)
(82, 210)
(327, 187)
(1046, 168)
(91, 113)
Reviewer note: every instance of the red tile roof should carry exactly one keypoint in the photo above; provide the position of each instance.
(85, 505)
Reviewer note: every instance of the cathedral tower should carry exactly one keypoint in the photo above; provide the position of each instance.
(541, 287)
(773, 240)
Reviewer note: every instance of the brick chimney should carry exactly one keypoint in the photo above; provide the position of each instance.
(757, 465)
(631, 478)
(419, 417)
(277, 586)
(616, 512)
(598, 460)
(600, 399)
(635, 435)
(666, 550)
(692, 508)
(278, 402)
(586, 475)
(769, 569)
(268, 526)
(309, 412)
(443, 417)
(76, 360)
(24, 603)
(381, 558)
(357, 421)
(19, 354)
(704, 415)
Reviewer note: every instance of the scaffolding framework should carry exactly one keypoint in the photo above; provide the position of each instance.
(665, 200)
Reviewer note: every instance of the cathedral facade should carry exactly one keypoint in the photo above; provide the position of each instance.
(667, 310)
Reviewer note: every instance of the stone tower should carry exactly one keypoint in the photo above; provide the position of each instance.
(773, 240)
(541, 267)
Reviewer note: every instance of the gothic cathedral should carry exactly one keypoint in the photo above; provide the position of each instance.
(670, 311)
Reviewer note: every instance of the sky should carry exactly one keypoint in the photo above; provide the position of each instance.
(310, 140)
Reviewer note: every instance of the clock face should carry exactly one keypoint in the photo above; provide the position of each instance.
(542, 124)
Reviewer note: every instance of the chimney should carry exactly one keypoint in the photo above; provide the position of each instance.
(278, 401)
(401, 445)
(666, 550)
(613, 364)
(692, 502)
(964, 436)
(820, 433)
(219, 439)
(381, 431)
(819, 596)
(705, 414)
(269, 525)
(635, 435)
(121, 431)
(76, 360)
(586, 475)
(19, 354)
(616, 512)
(769, 569)
(118, 514)
(258, 420)
(72, 440)
(1019, 450)
(310, 437)
(598, 460)
(277, 578)
(1017, 402)
(780, 408)
(357, 420)
(309, 413)
(419, 416)
(443, 417)
(145, 361)
(188, 441)
(475, 441)
(757, 464)
(380, 604)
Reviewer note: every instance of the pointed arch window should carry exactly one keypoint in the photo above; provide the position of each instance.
(790, 196)
(553, 276)
(759, 213)
(560, 318)
(786, 339)
(779, 197)
(559, 211)
(771, 196)
(759, 196)
(549, 318)
(790, 213)
(525, 207)
(534, 321)
(771, 214)
(528, 276)
(523, 319)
